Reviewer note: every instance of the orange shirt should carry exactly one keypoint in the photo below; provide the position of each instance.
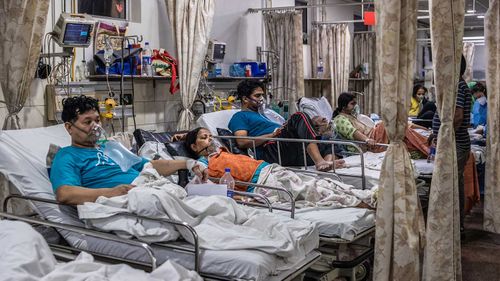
(242, 167)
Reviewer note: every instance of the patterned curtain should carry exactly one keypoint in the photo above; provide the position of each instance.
(22, 23)
(332, 43)
(364, 52)
(469, 57)
(492, 192)
(191, 24)
(284, 37)
(399, 219)
(443, 219)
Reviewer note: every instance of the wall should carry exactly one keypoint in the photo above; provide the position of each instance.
(155, 107)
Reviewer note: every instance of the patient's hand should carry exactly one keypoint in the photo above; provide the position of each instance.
(201, 173)
(339, 164)
(324, 166)
(118, 190)
(179, 137)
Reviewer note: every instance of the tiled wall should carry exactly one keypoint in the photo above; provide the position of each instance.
(155, 108)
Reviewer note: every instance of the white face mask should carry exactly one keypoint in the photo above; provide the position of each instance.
(356, 110)
(481, 100)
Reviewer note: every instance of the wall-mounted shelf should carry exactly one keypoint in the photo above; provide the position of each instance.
(360, 79)
(236, 79)
(115, 77)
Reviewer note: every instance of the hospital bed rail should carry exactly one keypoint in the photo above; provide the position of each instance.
(147, 248)
(195, 250)
(268, 204)
(353, 144)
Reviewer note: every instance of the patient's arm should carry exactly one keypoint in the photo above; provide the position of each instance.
(361, 137)
(77, 195)
(246, 143)
(168, 167)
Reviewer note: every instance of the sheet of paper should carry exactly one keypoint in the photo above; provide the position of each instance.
(206, 189)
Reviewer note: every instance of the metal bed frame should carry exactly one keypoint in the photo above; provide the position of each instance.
(66, 253)
(354, 144)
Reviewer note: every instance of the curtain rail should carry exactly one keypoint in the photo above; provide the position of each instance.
(256, 10)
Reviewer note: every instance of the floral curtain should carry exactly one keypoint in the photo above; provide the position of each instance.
(191, 24)
(284, 37)
(469, 57)
(364, 54)
(22, 23)
(399, 219)
(492, 192)
(443, 219)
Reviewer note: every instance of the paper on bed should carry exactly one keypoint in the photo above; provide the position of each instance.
(206, 189)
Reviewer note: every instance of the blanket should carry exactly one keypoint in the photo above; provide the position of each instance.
(220, 222)
(311, 191)
(25, 256)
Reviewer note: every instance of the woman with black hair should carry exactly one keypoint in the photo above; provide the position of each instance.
(418, 100)
(349, 127)
(305, 188)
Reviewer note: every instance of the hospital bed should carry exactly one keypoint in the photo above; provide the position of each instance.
(340, 229)
(23, 165)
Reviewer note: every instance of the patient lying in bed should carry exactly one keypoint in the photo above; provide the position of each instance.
(306, 189)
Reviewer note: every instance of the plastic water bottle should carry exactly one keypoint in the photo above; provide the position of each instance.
(228, 180)
(320, 69)
(146, 61)
(432, 154)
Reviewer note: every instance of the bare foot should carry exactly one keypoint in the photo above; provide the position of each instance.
(339, 164)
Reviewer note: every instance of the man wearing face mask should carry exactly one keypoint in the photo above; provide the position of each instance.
(249, 122)
(480, 107)
(82, 172)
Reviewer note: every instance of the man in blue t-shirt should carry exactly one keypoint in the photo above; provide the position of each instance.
(250, 122)
(82, 172)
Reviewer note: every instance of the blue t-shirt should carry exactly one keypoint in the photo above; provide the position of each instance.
(89, 167)
(253, 122)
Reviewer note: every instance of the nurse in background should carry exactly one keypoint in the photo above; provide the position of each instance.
(480, 108)
(417, 100)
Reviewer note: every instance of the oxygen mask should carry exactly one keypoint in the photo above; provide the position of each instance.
(97, 135)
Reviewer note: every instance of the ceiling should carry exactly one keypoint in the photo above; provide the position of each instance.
(471, 22)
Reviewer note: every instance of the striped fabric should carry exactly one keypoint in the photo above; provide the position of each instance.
(464, 100)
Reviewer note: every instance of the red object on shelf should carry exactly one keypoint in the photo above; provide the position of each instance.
(369, 18)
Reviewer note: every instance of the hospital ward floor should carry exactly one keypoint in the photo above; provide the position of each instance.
(480, 249)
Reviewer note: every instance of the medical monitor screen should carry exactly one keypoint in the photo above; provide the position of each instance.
(77, 34)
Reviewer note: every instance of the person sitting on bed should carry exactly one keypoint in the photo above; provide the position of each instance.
(250, 122)
(215, 159)
(81, 172)
(349, 127)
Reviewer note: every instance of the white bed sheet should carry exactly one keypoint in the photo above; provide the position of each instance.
(345, 223)
(28, 148)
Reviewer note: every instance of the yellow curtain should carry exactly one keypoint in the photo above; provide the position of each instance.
(442, 260)
(22, 23)
(399, 221)
(492, 192)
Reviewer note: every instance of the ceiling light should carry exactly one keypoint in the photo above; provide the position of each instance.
(480, 17)
(471, 11)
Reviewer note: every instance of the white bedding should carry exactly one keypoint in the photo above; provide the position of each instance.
(25, 256)
(27, 148)
(220, 222)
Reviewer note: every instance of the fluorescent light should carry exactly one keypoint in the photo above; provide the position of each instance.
(471, 11)
(474, 38)
(480, 17)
